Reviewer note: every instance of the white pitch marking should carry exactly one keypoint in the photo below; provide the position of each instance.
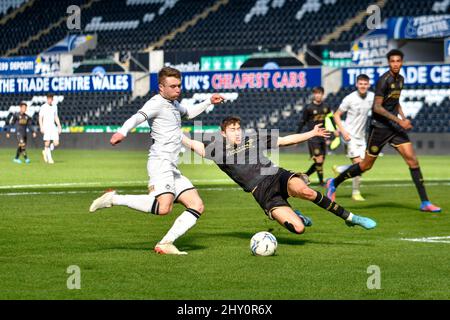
(445, 239)
(74, 184)
(33, 193)
(144, 182)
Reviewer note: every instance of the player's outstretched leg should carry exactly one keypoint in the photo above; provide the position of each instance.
(144, 203)
(297, 188)
(307, 221)
(194, 209)
(289, 219)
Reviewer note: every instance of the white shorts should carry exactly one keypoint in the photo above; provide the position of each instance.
(166, 178)
(356, 148)
(51, 134)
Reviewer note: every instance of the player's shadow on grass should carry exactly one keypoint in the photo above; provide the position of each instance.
(248, 236)
(145, 246)
(292, 241)
(389, 205)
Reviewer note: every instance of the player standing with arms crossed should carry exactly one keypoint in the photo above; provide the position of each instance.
(21, 121)
(167, 185)
(357, 106)
(389, 125)
(48, 117)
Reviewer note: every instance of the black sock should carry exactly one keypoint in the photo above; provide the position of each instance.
(351, 172)
(19, 150)
(319, 170)
(417, 177)
(326, 203)
(311, 170)
(155, 207)
(24, 153)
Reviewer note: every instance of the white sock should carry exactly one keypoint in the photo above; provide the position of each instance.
(341, 169)
(355, 184)
(350, 216)
(141, 202)
(52, 146)
(181, 225)
(48, 153)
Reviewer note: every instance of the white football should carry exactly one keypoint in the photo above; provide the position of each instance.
(263, 244)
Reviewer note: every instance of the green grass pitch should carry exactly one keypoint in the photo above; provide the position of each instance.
(45, 228)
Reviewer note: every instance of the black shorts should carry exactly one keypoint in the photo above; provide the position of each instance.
(378, 137)
(317, 147)
(21, 139)
(272, 192)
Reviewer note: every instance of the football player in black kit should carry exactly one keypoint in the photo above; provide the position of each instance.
(314, 114)
(242, 159)
(21, 121)
(389, 125)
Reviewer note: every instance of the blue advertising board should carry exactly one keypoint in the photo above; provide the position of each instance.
(438, 74)
(85, 83)
(247, 79)
(17, 66)
(437, 26)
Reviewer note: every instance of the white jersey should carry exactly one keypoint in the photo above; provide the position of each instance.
(358, 110)
(164, 118)
(48, 114)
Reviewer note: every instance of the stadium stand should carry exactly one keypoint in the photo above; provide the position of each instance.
(427, 106)
(29, 22)
(7, 6)
(122, 25)
(256, 24)
(263, 108)
(398, 8)
(135, 24)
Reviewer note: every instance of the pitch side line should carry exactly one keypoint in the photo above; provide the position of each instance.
(144, 182)
(32, 193)
(445, 239)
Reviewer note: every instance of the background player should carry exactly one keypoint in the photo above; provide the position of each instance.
(389, 125)
(50, 127)
(314, 114)
(357, 107)
(22, 122)
(166, 184)
(243, 160)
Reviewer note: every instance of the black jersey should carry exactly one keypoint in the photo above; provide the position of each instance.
(313, 114)
(245, 163)
(21, 122)
(389, 87)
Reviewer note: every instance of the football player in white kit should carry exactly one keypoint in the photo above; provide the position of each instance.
(357, 105)
(50, 127)
(167, 185)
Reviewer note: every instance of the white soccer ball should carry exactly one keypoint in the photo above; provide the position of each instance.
(263, 244)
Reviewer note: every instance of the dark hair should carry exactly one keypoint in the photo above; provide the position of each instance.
(229, 121)
(394, 52)
(50, 95)
(168, 72)
(23, 103)
(363, 77)
(318, 89)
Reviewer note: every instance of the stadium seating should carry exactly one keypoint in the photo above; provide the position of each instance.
(396, 9)
(426, 106)
(74, 109)
(7, 6)
(121, 25)
(264, 24)
(265, 108)
(29, 22)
